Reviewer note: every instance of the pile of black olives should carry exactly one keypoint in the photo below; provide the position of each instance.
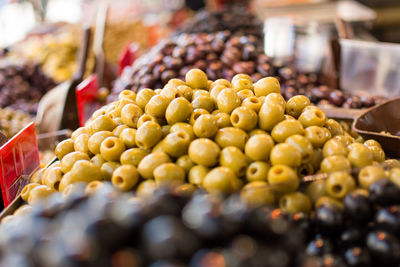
(104, 227)
(22, 86)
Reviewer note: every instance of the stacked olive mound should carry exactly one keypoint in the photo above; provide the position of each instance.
(234, 18)
(12, 121)
(221, 136)
(22, 86)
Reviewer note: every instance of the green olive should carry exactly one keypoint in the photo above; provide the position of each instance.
(111, 148)
(125, 177)
(228, 100)
(204, 151)
(285, 154)
(85, 171)
(107, 169)
(334, 147)
(317, 135)
(183, 127)
(157, 106)
(176, 144)
(256, 194)
(178, 110)
(146, 189)
(334, 127)
(63, 148)
(196, 78)
(359, 155)
(370, 174)
(335, 163)
(220, 180)
(130, 115)
(204, 102)
(150, 162)
(283, 179)
(128, 137)
(257, 171)
(197, 174)
(68, 160)
(312, 117)
(102, 123)
(296, 104)
(303, 145)
(253, 145)
(133, 156)
(339, 184)
(223, 120)
(270, 115)
(81, 143)
(286, 128)
(205, 126)
(267, 85)
(252, 103)
(316, 189)
(233, 158)
(196, 114)
(169, 173)
(231, 136)
(148, 134)
(295, 202)
(244, 118)
(185, 162)
(96, 139)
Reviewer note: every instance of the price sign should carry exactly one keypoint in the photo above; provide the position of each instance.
(128, 56)
(19, 159)
(86, 98)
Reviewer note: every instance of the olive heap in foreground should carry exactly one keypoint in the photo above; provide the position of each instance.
(223, 136)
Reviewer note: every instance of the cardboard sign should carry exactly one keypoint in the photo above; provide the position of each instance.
(128, 56)
(19, 159)
(86, 98)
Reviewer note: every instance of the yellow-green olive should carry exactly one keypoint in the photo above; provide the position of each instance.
(204, 151)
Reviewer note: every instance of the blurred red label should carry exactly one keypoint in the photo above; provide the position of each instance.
(128, 56)
(19, 159)
(86, 98)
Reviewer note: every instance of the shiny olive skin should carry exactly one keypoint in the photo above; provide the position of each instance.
(98, 160)
(118, 130)
(146, 189)
(197, 174)
(269, 115)
(231, 136)
(295, 202)
(204, 151)
(204, 102)
(303, 145)
(233, 158)
(186, 92)
(205, 126)
(296, 104)
(145, 118)
(240, 76)
(285, 154)
(128, 137)
(176, 144)
(316, 189)
(143, 97)
(107, 169)
(317, 135)
(245, 93)
(52, 177)
(244, 118)
(377, 153)
(359, 155)
(68, 160)
(219, 180)
(27, 189)
(369, 175)
(79, 131)
(93, 187)
(96, 139)
(196, 78)
(242, 84)
(214, 92)
(196, 114)
(326, 200)
(178, 110)
(223, 120)
(133, 156)
(339, 184)
(125, 177)
(228, 100)
(127, 94)
(63, 148)
(285, 129)
(185, 127)
(112, 148)
(157, 106)
(283, 179)
(267, 85)
(256, 194)
(130, 115)
(257, 171)
(334, 127)
(169, 173)
(334, 147)
(85, 171)
(102, 123)
(148, 135)
(252, 103)
(253, 145)
(185, 162)
(150, 162)
(335, 163)
(312, 117)
(81, 143)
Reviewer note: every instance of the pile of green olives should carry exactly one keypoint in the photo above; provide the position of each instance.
(223, 136)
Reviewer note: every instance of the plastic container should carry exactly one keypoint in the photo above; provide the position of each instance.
(370, 67)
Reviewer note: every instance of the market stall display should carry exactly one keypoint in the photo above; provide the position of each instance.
(12, 121)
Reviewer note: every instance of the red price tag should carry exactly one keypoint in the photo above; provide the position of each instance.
(128, 56)
(19, 159)
(86, 98)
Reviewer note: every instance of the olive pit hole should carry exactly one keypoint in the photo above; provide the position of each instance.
(235, 118)
(119, 180)
(254, 100)
(337, 188)
(253, 170)
(56, 185)
(110, 143)
(278, 170)
(318, 114)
